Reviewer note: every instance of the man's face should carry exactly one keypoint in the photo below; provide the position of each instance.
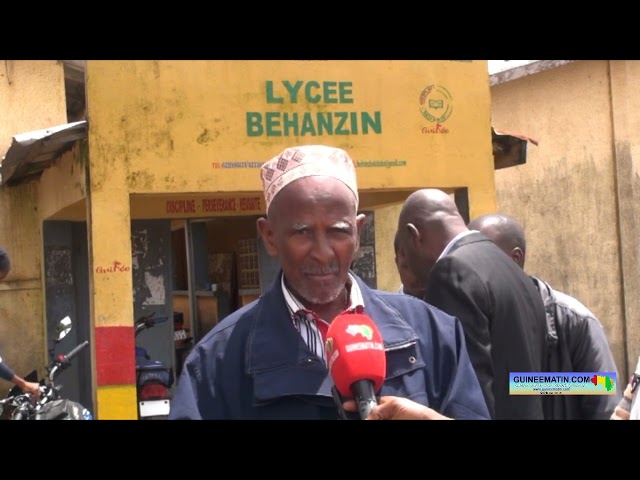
(313, 230)
(410, 283)
(416, 256)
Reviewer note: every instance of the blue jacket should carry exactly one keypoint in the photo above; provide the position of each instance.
(255, 365)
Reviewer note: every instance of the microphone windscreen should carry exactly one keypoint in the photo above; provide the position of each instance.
(355, 352)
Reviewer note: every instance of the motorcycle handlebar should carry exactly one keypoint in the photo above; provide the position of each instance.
(76, 350)
(65, 360)
(148, 321)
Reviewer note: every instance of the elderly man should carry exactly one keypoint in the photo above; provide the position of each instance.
(466, 275)
(267, 360)
(577, 340)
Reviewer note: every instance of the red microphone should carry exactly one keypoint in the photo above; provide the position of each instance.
(356, 359)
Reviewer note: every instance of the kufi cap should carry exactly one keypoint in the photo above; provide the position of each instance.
(306, 161)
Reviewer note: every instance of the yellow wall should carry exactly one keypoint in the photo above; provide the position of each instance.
(31, 98)
(62, 186)
(171, 126)
(566, 193)
(187, 130)
(386, 223)
(22, 342)
(189, 126)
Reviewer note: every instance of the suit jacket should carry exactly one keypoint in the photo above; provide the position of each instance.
(254, 364)
(502, 315)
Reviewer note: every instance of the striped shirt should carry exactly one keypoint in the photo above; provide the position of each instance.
(312, 328)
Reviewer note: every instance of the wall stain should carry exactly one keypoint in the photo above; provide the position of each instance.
(141, 180)
(164, 141)
(204, 137)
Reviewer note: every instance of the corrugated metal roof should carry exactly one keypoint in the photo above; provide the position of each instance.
(32, 152)
(526, 69)
(509, 149)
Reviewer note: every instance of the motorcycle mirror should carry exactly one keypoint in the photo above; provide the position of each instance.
(63, 328)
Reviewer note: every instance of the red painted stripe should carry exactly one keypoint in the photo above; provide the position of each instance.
(115, 356)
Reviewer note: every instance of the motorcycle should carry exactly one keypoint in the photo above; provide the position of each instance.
(51, 405)
(153, 377)
(183, 341)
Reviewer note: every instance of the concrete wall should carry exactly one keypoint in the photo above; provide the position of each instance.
(577, 194)
(386, 225)
(31, 98)
(62, 192)
(22, 343)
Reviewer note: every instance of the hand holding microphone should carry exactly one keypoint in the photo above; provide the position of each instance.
(356, 359)
(398, 408)
(358, 363)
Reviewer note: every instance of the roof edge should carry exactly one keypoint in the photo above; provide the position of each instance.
(526, 70)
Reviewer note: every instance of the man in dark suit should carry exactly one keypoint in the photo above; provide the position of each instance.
(576, 340)
(466, 275)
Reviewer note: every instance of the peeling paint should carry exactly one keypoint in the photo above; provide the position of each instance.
(155, 284)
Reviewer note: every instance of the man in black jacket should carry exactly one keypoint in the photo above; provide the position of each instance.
(576, 339)
(466, 275)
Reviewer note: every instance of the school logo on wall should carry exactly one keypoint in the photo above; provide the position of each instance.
(435, 103)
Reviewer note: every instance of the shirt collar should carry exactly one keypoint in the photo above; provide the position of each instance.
(295, 305)
(453, 241)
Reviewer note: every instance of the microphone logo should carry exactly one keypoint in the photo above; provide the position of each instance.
(364, 330)
(332, 355)
(329, 346)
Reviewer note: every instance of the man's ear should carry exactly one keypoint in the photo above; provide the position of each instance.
(518, 256)
(266, 232)
(414, 234)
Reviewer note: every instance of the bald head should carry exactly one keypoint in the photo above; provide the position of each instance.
(428, 221)
(506, 232)
(432, 209)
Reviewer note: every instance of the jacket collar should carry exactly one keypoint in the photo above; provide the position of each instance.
(546, 293)
(472, 236)
(280, 361)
